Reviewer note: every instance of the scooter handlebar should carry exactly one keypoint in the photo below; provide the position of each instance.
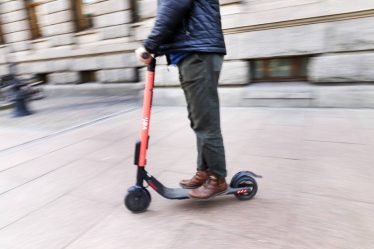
(152, 65)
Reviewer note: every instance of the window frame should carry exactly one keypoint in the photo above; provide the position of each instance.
(33, 19)
(2, 36)
(134, 8)
(81, 21)
(295, 71)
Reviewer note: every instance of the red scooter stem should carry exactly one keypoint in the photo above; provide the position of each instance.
(147, 106)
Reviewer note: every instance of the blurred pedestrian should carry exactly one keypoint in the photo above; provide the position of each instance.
(189, 33)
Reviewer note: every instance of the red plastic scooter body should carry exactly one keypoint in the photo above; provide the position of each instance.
(147, 106)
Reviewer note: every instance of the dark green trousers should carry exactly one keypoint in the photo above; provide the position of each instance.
(199, 74)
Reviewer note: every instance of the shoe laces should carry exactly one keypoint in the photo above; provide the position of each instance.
(212, 180)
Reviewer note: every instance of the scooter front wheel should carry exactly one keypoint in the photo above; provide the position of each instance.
(138, 201)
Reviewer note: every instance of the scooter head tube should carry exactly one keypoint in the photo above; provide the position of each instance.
(152, 66)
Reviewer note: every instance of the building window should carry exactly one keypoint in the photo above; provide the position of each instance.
(134, 11)
(87, 76)
(41, 78)
(82, 14)
(280, 69)
(2, 40)
(32, 13)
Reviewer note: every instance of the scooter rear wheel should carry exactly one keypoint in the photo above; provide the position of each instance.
(245, 181)
(138, 201)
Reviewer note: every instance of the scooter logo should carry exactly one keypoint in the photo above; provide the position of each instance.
(145, 123)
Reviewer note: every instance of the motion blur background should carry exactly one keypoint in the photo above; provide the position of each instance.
(297, 94)
(294, 53)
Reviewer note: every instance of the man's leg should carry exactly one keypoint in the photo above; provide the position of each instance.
(199, 75)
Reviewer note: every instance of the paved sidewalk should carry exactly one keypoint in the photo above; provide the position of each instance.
(53, 115)
(66, 191)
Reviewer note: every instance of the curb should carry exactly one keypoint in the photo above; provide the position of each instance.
(94, 89)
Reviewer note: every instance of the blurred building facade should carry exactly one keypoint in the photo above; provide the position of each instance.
(287, 52)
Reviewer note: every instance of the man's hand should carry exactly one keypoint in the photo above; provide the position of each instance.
(143, 56)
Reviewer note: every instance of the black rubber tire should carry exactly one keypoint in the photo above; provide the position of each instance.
(149, 195)
(245, 181)
(138, 201)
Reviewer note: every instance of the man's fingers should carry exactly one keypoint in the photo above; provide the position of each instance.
(143, 55)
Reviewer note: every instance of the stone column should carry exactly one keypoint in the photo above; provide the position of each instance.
(15, 25)
(113, 20)
(58, 23)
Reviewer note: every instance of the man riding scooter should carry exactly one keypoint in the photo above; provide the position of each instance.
(189, 33)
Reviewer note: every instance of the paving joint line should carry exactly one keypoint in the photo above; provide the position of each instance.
(71, 242)
(56, 169)
(33, 211)
(333, 142)
(38, 177)
(63, 147)
(63, 131)
(336, 197)
(55, 199)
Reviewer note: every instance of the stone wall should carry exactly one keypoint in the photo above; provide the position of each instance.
(62, 53)
(279, 28)
(15, 25)
(336, 35)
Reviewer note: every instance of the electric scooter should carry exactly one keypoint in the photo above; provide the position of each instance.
(243, 184)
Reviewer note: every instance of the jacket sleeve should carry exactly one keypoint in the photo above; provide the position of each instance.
(169, 16)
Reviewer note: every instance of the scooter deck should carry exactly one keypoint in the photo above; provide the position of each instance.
(181, 193)
(175, 193)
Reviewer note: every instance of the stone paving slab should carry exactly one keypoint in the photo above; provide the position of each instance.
(66, 191)
(55, 224)
(53, 115)
(33, 195)
(14, 137)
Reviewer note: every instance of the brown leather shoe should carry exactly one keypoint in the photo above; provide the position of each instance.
(213, 186)
(196, 181)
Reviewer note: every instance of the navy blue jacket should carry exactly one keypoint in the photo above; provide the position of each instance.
(187, 25)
